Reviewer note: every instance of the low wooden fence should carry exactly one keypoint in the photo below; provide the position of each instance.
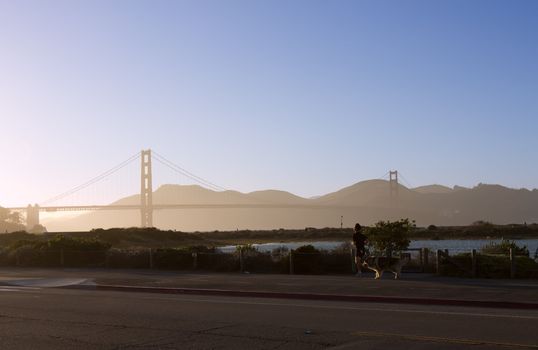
(474, 264)
(292, 261)
(468, 264)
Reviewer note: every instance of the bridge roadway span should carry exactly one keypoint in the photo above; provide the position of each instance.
(184, 206)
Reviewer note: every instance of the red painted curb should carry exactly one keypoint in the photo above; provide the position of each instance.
(310, 296)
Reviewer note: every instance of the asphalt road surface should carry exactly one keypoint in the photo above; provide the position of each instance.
(50, 318)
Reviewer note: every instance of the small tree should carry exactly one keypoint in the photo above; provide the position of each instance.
(38, 229)
(10, 221)
(504, 247)
(387, 237)
(247, 250)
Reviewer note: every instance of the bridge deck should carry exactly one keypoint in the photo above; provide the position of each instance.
(181, 206)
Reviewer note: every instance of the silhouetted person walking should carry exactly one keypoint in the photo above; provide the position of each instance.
(359, 240)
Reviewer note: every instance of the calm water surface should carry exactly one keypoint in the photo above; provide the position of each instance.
(453, 245)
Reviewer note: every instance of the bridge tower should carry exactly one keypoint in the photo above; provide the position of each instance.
(393, 183)
(32, 216)
(146, 190)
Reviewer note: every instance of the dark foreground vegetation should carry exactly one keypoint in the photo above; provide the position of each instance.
(479, 229)
(490, 266)
(152, 248)
(64, 251)
(155, 238)
(494, 260)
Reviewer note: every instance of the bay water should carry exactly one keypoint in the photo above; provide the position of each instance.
(453, 245)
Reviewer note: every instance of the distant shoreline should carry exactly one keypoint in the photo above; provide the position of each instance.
(155, 238)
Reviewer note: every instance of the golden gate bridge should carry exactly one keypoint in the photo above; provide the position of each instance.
(146, 205)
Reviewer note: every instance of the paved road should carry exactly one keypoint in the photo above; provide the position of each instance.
(411, 285)
(51, 318)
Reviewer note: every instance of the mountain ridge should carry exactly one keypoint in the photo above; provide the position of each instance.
(365, 201)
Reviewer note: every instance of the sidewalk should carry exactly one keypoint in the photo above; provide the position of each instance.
(415, 286)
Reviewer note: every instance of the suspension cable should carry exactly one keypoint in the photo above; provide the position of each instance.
(92, 181)
(187, 173)
(383, 177)
(406, 181)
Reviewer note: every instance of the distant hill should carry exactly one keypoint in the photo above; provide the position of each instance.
(365, 202)
(433, 189)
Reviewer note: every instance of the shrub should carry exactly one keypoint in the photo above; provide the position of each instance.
(265, 263)
(30, 256)
(60, 242)
(57, 251)
(504, 247)
(307, 260)
(307, 249)
(256, 261)
(247, 250)
(336, 262)
(122, 258)
(343, 248)
(218, 262)
(388, 237)
(170, 258)
(490, 266)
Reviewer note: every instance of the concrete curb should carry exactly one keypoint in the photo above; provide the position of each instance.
(311, 296)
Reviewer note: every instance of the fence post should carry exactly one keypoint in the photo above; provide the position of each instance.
(62, 259)
(291, 262)
(421, 259)
(512, 264)
(473, 263)
(150, 258)
(352, 255)
(194, 261)
(426, 258)
(241, 261)
(438, 262)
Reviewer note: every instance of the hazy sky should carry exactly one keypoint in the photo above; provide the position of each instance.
(304, 96)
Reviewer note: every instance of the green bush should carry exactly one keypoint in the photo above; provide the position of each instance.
(59, 242)
(504, 247)
(388, 237)
(29, 256)
(307, 260)
(266, 263)
(128, 259)
(217, 262)
(89, 258)
(177, 259)
(490, 266)
(246, 249)
(337, 263)
(56, 252)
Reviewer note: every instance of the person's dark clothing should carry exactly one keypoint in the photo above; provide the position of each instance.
(359, 240)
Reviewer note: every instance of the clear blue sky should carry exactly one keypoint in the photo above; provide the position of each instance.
(304, 96)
